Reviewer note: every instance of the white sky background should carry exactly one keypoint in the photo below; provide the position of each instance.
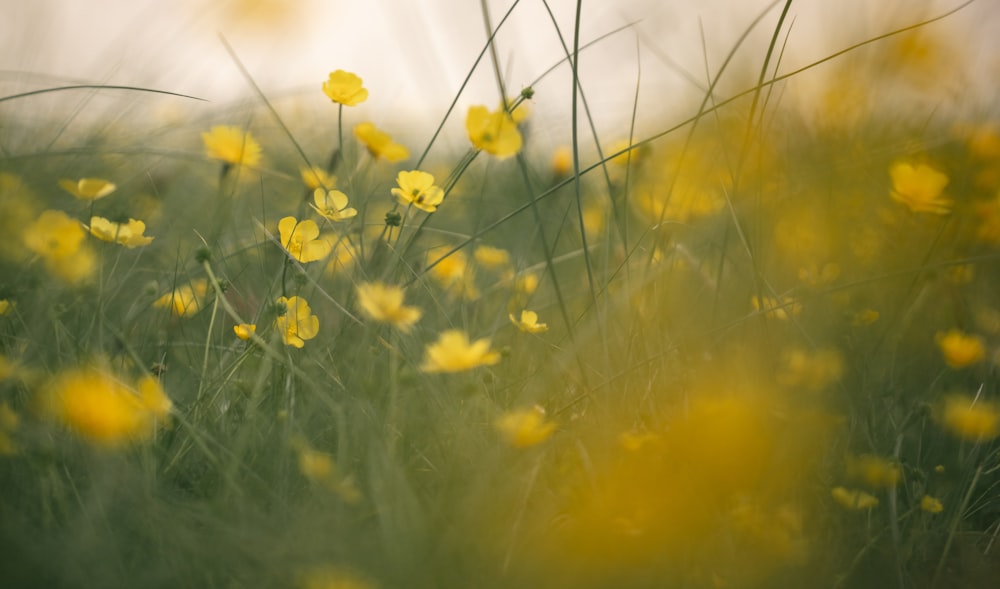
(413, 54)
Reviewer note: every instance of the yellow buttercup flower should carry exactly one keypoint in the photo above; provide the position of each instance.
(523, 428)
(301, 240)
(417, 188)
(88, 188)
(919, 187)
(315, 177)
(853, 499)
(971, 419)
(960, 350)
(232, 146)
(245, 331)
(453, 352)
(6, 306)
(454, 273)
(875, 471)
(384, 303)
(185, 300)
(345, 88)
(379, 143)
(333, 578)
(773, 308)
(58, 240)
(931, 504)
(493, 132)
(319, 467)
(102, 409)
(297, 324)
(332, 204)
(491, 257)
(528, 323)
(128, 234)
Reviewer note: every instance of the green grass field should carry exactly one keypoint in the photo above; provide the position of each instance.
(756, 347)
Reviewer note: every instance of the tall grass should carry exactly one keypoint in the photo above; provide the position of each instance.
(763, 350)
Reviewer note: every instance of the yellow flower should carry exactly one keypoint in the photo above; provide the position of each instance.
(54, 235)
(417, 188)
(300, 240)
(528, 322)
(332, 204)
(384, 303)
(128, 234)
(185, 300)
(6, 306)
(454, 273)
(244, 330)
(333, 578)
(88, 188)
(319, 467)
(874, 471)
(519, 113)
(58, 239)
(342, 257)
(971, 419)
(960, 350)
(526, 283)
(491, 257)
(853, 498)
(316, 177)
(777, 309)
(523, 428)
(297, 324)
(493, 132)
(453, 352)
(379, 143)
(9, 422)
(562, 161)
(635, 154)
(345, 88)
(931, 504)
(102, 409)
(232, 146)
(919, 187)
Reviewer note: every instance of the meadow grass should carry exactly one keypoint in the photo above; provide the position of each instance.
(752, 348)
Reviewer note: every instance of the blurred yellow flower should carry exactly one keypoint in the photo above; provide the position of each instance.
(960, 350)
(384, 303)
(454, 273)
(232, 146)
(523, 428)
(971, 419)
(128, 234)
(562, 161)
(102, 409)
(9, 422)
(492, 258)
(773, 308)
(186, 299)
(345, 88)
(297, 324)
(6, 306)
(58, 240)
(315, 177)
(333, 578)
(417, 188)
(332, 204)
(379, 143)
(245, 331)
(931, 504)
(493, 132)
(453, 352)
(853, 498)
(319, 467)
(526, 283)
(528, 323)
(88, 188)
(874, 471)
(301, 240)
(810, 371)
(919, 187)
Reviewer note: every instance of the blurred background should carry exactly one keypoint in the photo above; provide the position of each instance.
(413, 55)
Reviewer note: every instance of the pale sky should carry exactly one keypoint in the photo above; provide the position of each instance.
(413, 54)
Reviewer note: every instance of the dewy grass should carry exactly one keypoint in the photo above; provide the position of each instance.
(756, 348)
